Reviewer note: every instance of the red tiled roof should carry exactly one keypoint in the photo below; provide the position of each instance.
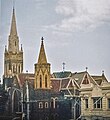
(55, 85)
(22, 77)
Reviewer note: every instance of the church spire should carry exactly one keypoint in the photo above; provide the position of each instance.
(42, 56)
(13, 45)
(42, 70)
(13, 57)
(13, 30)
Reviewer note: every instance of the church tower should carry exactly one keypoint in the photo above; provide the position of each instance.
(13, 56)
(42, 70)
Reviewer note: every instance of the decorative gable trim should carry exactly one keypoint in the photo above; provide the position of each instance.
(85, 80)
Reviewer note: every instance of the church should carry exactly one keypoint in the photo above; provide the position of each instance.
(43, 95)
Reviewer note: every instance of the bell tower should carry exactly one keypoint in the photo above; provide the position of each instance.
(42, 70)
(13, 56)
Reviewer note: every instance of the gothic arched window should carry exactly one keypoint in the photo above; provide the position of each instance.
(40, 105)
(40, 81)
(46, 81)
(19, 69)
(46, 104)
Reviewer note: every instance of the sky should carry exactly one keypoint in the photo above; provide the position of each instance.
(76, 32)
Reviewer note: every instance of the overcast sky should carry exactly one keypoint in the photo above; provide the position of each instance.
(76, 32)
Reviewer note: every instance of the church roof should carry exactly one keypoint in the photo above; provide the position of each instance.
(99, 79)
(22, 77)
(42, 56)
(62, 74)
(55, 83)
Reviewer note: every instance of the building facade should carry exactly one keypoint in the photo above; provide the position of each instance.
(45, 96)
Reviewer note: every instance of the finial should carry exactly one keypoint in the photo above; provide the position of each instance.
(102, 72)
(86, 69)
(63, 66)
(42, 40)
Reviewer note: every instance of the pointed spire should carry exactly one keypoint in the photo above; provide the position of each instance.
(42, 56)
(13, 44)
(13, 30)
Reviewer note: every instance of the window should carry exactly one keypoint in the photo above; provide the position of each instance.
(86, 103)
(108, 103)
(40, 105)
(97, 102)
(19, 69)
(40, 81)
(46, 105)
(15, 43)
(46, 81)
(52, 106)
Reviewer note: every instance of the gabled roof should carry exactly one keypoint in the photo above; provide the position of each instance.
(22, 77)
(99, 79)
(79, 76)
(65, 82)
(64, 74)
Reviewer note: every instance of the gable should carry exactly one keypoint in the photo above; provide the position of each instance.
(86, 80)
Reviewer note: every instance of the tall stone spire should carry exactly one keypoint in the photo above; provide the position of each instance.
(13, 30)
(42, 56)
(13, 56)
(13, 45)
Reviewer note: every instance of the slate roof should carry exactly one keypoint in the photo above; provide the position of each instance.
(45, 94)
(78, 76)
(99, 79)
(64, 83)
(61, 74)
